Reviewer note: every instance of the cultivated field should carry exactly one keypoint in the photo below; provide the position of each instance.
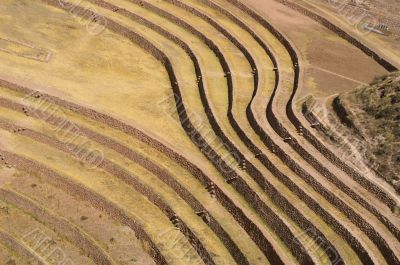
(176, 132)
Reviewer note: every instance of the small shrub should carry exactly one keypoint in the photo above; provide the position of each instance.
(84, 218)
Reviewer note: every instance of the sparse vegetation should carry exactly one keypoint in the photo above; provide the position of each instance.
(374, 112)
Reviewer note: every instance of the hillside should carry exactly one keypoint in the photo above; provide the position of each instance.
(373, 112)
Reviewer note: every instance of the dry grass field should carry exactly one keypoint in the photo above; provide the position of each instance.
(140, 132)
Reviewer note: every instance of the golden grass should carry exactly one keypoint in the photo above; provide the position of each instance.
(90, 62)
(126, 82)
(18, 224)
(147, 178)
(153, 221)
